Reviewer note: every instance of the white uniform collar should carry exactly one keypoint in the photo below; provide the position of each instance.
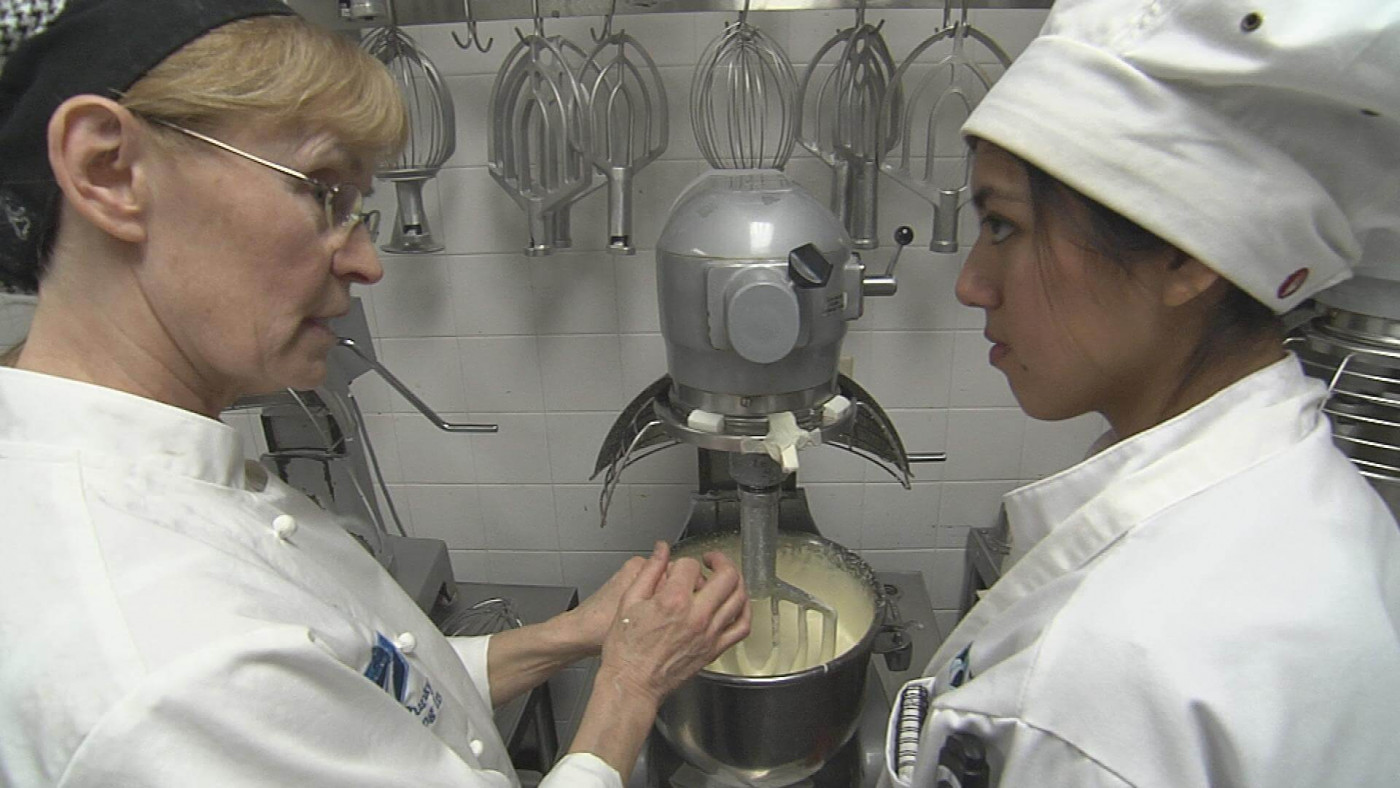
(114, 427)
(1038, 507)
(1071, 517)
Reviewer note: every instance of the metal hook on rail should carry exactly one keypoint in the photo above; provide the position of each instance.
(473, 39)
(539, 24)
(599, 38)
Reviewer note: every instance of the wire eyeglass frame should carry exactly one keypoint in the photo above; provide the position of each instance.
(343, 203)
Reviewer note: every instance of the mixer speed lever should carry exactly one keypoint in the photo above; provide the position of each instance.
(885, 284)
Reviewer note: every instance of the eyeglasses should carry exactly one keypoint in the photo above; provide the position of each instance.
(343, 203)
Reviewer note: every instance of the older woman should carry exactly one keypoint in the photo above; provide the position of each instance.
(1214, 599)
(182, 182)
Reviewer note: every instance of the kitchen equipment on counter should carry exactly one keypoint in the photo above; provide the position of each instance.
(938, 98)
(1353, 345)
(432, 134)
(742, 100)
(756, 281)
(838, 116)
(538, 140)
(629, 121)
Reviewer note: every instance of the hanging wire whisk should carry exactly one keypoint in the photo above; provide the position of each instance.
(742, 100)
(432, 134)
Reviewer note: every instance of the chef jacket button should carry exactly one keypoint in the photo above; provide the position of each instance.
(284, 526)
(477, 747)
(405, 642)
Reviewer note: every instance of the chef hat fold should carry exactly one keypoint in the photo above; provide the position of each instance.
(53, 50)
(1262, 137)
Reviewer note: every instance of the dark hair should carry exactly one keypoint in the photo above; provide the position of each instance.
(1238, 321)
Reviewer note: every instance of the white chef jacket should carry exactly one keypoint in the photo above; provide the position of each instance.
(1214, 602)
(158, 629)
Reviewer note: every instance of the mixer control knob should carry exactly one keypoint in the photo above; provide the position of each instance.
(808, 267)
(904, 235)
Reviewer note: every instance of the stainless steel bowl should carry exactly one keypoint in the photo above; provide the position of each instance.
(768, 731)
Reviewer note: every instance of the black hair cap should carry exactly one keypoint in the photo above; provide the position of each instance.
(58, 50)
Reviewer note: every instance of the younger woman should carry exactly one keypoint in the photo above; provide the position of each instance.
(1214, 599)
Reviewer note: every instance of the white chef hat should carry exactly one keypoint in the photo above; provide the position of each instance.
(1262, 137)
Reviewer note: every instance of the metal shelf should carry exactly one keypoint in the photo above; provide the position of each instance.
(424, 12)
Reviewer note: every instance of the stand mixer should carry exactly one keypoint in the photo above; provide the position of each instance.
(756, 281)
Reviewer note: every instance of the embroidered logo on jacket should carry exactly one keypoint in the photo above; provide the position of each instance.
(389, 669)
(960, 669)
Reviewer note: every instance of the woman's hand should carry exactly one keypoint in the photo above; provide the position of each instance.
(672, 621)
(593, 618)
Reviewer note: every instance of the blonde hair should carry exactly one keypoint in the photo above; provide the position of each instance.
(283, 71)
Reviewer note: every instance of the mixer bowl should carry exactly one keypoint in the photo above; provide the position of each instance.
(768, 731)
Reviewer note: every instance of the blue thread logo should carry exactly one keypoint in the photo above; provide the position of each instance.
(388, 668)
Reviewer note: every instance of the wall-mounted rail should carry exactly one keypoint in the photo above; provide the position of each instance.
(425, 12)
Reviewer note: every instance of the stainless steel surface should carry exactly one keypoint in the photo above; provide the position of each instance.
(422, 568)
(628, 110)
(659, 765)
(368, 358)
(839, 102)
(742, 100)
(759, 479)
(432, 134)
(768, 731)
(473, 40)
(431, 12)
(1358, 357)
(938, 96)
(729, 298)
(558, 223)
(434, 11)
(651, 423)
(538, 142)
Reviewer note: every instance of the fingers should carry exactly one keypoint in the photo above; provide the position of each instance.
(684, 575)
(723, 581)
(650, 576)
(735, 606)
(737, 630)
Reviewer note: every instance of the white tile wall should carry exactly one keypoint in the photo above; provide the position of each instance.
(552, 348)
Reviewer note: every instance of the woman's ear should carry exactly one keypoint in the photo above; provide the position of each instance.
(1185, 279)
(95, 148)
